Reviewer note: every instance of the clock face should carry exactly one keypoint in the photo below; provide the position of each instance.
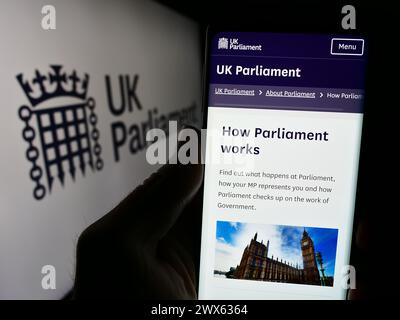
(305, 243)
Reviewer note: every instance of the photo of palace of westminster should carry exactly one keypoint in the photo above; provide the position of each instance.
(256, 265)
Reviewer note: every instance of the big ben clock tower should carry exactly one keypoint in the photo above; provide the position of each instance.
(311, 273)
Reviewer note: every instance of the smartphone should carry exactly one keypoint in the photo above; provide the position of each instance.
(284, 114)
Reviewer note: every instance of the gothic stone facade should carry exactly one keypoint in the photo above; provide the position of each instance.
(256, 265)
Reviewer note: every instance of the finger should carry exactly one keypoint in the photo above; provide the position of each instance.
(169, 196)
(171, 253)
(187, 229)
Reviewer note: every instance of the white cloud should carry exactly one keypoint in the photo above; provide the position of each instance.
(226, 255)
(222, 239)
(234, 225)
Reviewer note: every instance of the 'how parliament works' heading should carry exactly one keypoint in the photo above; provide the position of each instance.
(278, 133)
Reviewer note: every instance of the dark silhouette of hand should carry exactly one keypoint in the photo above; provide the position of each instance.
(147, 247)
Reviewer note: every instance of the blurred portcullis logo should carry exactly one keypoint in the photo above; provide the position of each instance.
(62, 137)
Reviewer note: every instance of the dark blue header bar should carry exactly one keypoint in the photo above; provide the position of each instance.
(297, 60)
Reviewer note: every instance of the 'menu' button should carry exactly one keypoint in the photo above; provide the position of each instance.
(347, 47)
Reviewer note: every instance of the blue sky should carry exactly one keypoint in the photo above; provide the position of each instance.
(232, 238)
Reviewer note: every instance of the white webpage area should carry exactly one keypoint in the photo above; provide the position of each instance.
(267, 216)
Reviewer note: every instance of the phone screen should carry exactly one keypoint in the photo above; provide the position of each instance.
(284, 119)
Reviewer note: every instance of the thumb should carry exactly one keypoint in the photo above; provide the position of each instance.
(171, 190)
(152, 209)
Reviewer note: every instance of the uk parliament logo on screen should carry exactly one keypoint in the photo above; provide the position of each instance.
(223, 43)
(62, 137)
